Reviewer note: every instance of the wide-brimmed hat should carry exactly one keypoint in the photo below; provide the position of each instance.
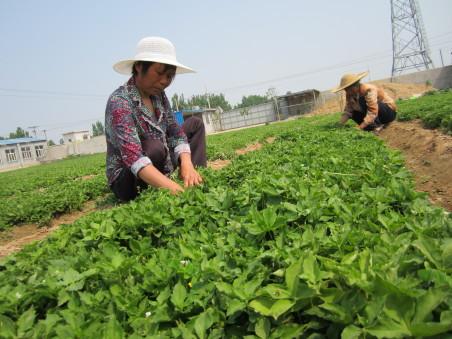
(154, 49)
(348, 80)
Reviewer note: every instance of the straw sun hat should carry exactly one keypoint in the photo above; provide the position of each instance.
(154, 49)
(348, 80)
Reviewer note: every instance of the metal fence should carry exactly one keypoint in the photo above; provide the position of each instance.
(279, 109)
(247, 116)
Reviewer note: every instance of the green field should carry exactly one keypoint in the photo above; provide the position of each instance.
(434, 109)
(319, 234)
(37, 194)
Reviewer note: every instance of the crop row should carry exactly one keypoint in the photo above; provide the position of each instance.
(42, 177)
(433, 108)
(320, 232)
(37, 194)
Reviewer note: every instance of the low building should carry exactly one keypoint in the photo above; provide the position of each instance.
(21, 152)
(75, 136)
(297, 103)
(208, 116)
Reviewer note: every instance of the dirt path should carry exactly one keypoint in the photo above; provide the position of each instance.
(219, 164)
(17, 237)
(428, 154)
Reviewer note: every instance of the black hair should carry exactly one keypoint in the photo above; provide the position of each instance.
(145, 66)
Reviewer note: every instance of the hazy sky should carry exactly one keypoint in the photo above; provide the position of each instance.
(56, 57)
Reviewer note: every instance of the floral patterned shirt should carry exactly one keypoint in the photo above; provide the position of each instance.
(373, 96)
(128, 121)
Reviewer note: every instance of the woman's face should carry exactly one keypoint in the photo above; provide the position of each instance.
(352, 90)
(155, 80)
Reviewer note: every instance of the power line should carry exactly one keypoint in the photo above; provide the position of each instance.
(39, 93)
(31, 91)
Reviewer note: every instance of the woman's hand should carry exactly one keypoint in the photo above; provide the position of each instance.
(152, 176)
(188, 173)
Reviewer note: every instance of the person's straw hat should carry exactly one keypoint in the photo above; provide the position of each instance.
(348, 80)
(154, 49)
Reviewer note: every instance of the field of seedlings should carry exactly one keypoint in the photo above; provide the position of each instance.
(434, 109)
(319, 233)
(37, 194)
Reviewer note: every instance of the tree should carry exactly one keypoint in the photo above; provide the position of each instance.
(271, 93)
(50, 143)
(20, 133)
(98, 129)
(201, 100)
(252, 100)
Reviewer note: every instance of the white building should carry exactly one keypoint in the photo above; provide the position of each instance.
(75, 136)
(21, 152)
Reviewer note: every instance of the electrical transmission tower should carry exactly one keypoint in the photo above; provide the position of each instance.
(409, 41)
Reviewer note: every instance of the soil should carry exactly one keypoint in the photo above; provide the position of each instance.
(218, 164)
(249, 148)
(428, 154)
(17, 237)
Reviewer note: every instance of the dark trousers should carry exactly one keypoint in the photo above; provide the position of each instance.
(385, 114)
(126, 187)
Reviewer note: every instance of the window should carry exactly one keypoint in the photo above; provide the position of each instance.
(11, 155)
(85, 136)
(26, 152)
(69, 140)
(39, 151)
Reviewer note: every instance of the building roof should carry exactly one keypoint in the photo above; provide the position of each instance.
(76, 132)
(20, 141)
(308, 91)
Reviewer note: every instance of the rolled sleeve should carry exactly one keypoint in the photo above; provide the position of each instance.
(182, 148)
(372, 106)
(139, 164)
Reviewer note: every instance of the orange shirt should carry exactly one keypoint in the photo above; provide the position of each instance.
(373, 96)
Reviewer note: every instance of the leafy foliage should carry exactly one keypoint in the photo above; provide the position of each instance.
(98, 129)
(36, 194)
(19, 133)
(201, 100)
(252, 100)
(434, 109)
(320, 233)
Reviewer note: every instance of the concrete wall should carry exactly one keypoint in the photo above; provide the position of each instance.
(93, 145)
(440, 78)
(90, 146)
(248, 116)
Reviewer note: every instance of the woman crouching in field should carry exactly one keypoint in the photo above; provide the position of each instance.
(144, 142)
(366, 104)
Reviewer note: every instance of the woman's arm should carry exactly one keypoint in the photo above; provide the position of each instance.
(152, 176)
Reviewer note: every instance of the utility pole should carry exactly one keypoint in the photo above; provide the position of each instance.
(441, 55)
(207, 97)
(33, 129)
(45, 133)
(409, 40)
